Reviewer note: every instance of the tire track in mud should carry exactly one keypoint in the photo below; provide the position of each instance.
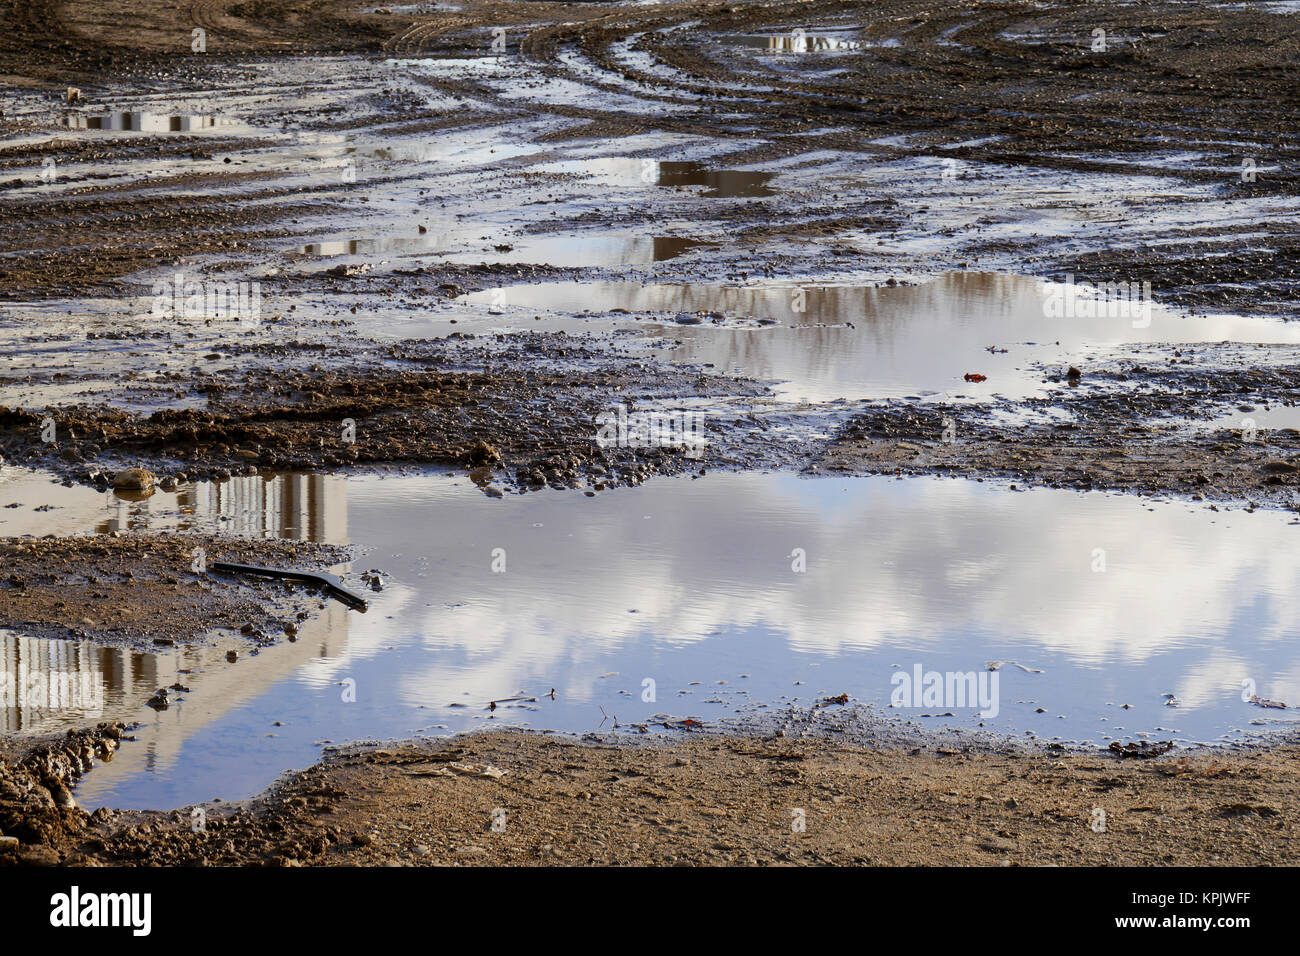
(951, 78)
(1007, 85)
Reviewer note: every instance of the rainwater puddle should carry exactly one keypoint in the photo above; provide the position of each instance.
(802, 41)
(855, 342)
(1273, 417)
(717, 183)
(733, 594)
(561, 251)
(148, 122)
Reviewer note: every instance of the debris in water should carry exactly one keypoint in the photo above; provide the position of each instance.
(997, 665)
(1263, 702)
(331, 583)
(1143, 749)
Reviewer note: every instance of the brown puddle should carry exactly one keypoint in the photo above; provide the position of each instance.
(720, 183)
(625, 170)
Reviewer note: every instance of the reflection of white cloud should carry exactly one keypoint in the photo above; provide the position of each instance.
(922, 564)
(903, 340)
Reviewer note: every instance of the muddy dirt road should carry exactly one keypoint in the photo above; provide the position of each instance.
(367, 168)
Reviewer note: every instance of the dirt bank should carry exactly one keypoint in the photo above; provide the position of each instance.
(37, 810)
(143, 590)
(529, 799)
(525, 411)
(1153, 424)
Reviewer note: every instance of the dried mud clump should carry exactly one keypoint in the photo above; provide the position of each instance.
(37, 809)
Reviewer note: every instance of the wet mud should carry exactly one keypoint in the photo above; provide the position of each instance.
(1148, 425)
(147, 591)
(525, 799)
(514, 421)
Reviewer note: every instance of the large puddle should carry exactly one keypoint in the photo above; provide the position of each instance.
(731, 594)
(822, 343)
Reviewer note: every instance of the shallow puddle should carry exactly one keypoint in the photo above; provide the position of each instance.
(147, 122)
(560, 251)
(800, 41)
(829, 342)
(1093, 601)
(717, 183)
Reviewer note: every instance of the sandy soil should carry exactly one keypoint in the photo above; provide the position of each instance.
(528, 799)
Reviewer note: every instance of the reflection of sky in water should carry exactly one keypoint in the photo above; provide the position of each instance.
(563, 251)
(671, 174)
(902, 341)
(685, 581)
(147, 122)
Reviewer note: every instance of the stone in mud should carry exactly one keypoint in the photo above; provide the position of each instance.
(1141, 749)
(62, 795)
(348, 269)
(134, 479)
(484, 454)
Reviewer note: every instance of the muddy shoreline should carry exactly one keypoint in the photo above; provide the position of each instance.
(1149, 425)
(531, 799)
(151, 591)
